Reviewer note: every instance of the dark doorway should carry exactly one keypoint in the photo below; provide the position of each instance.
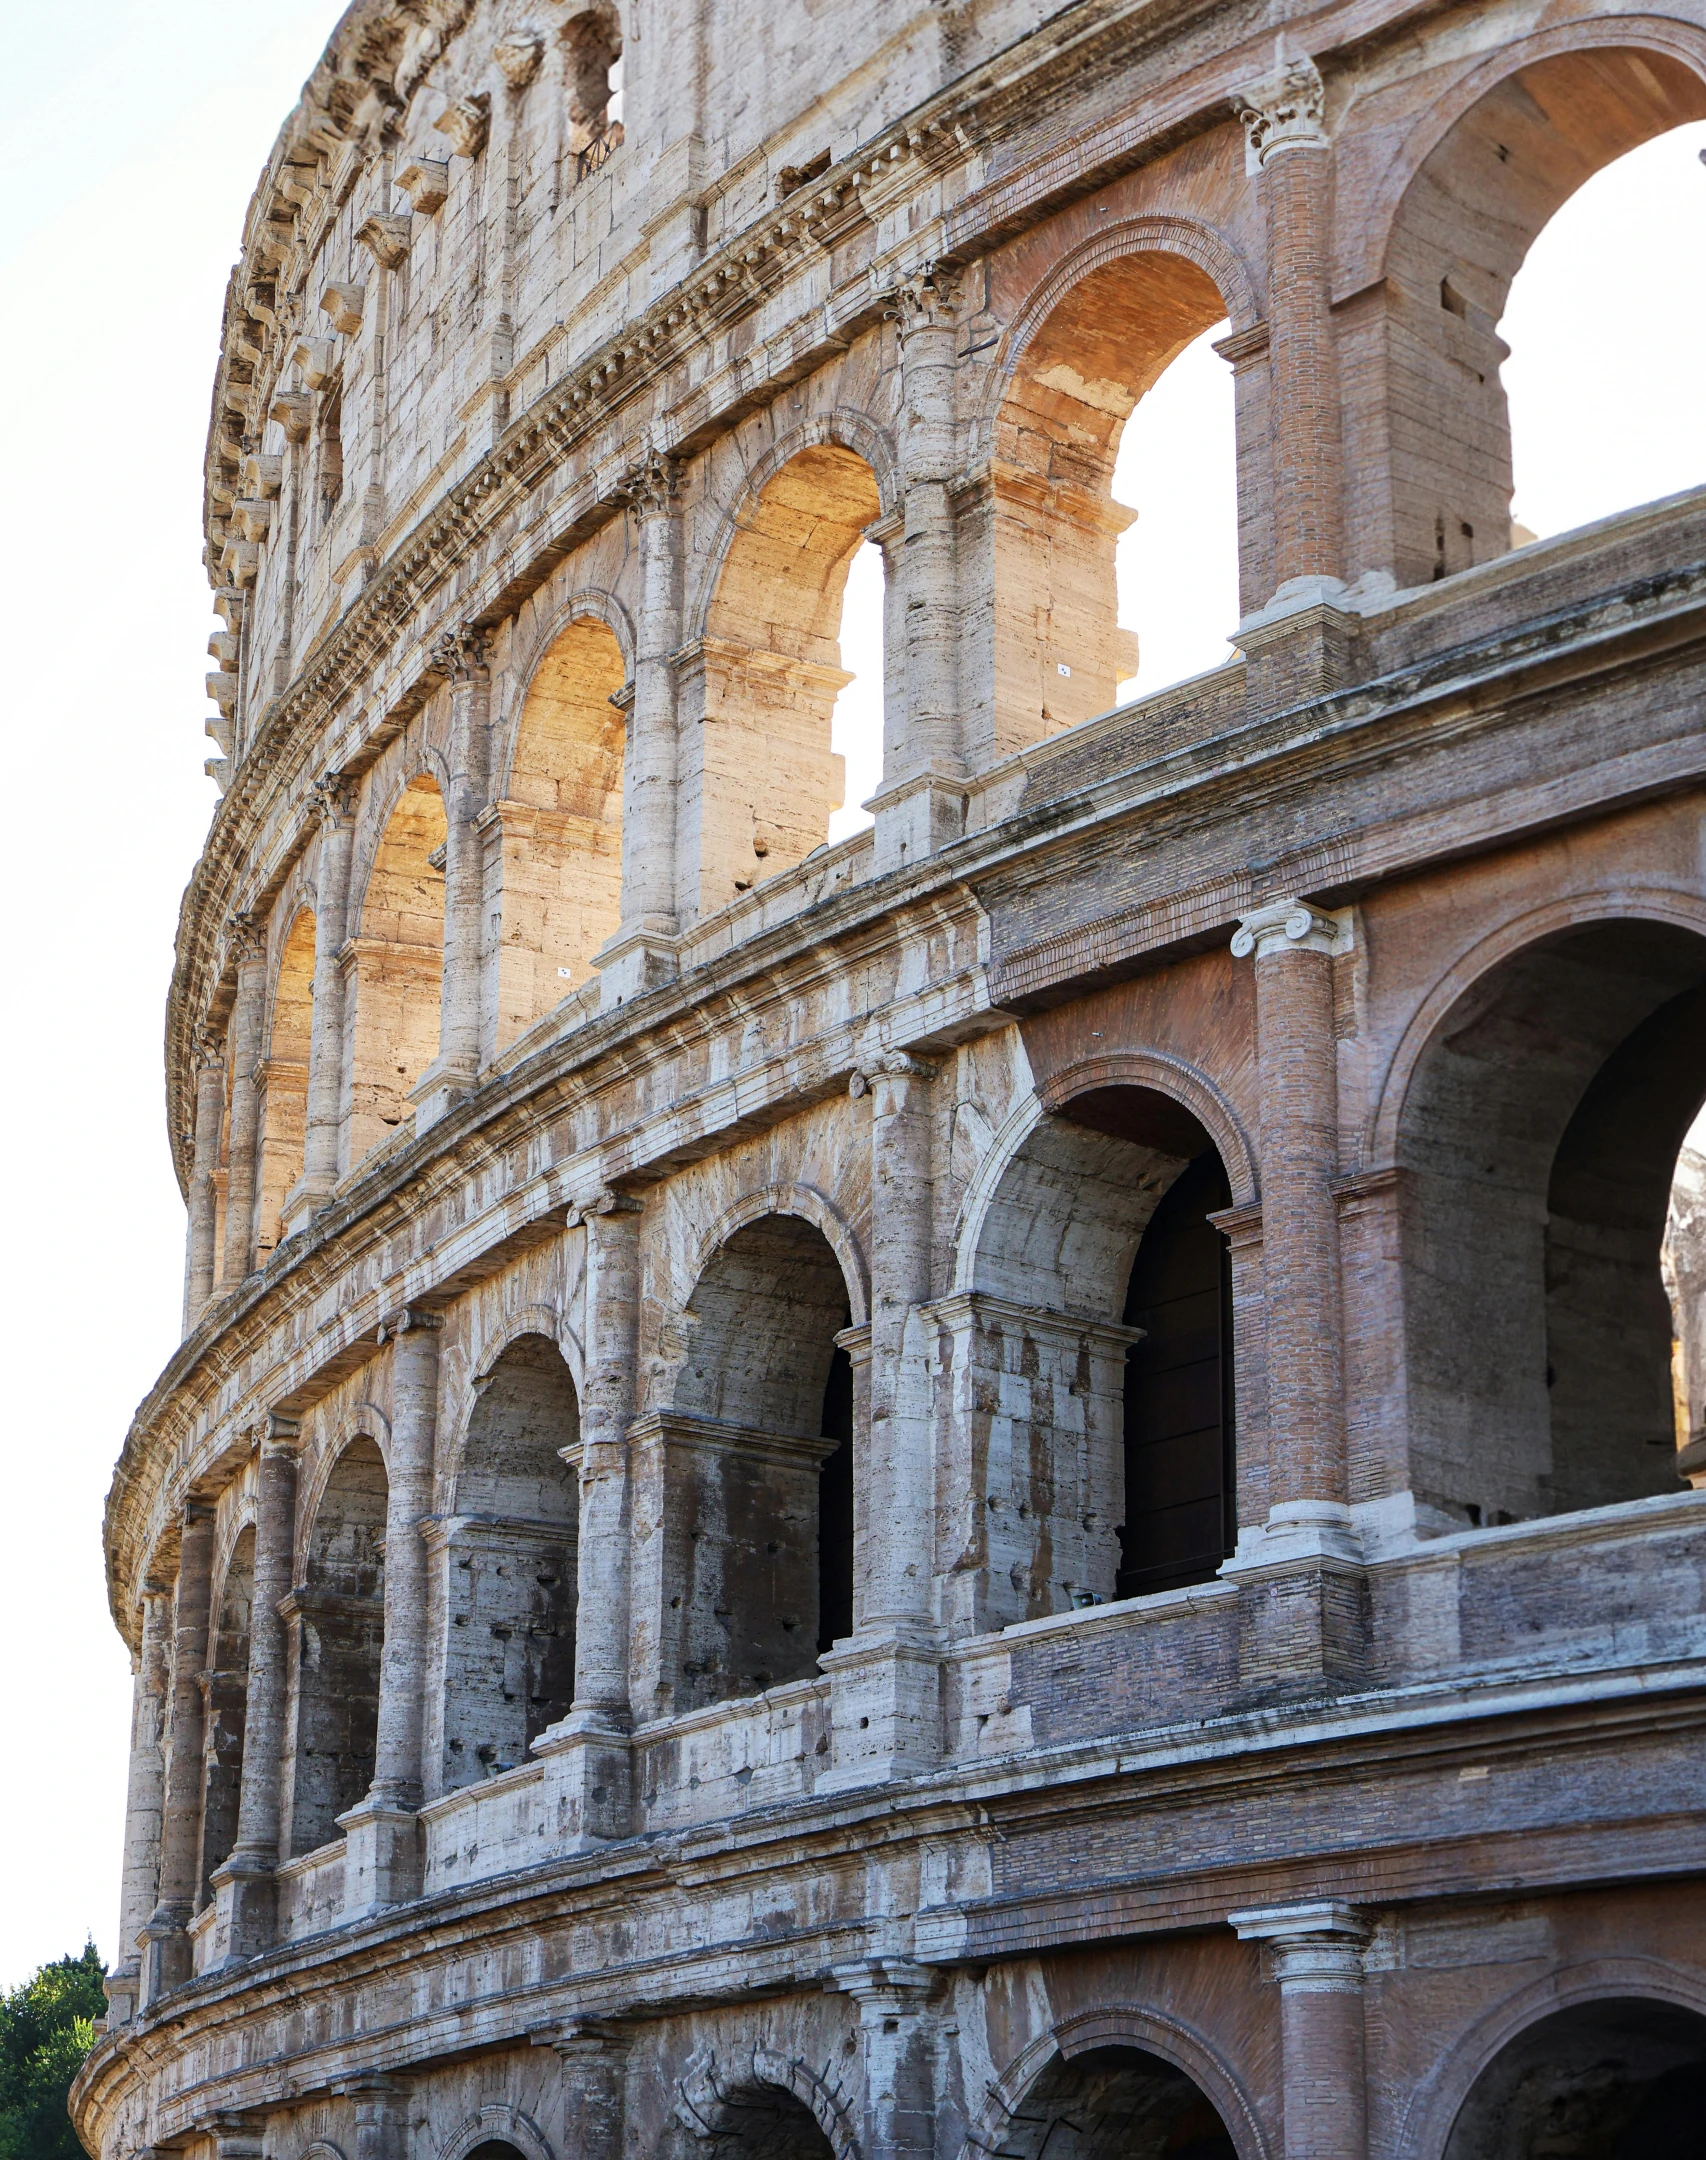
(835, 1509)
(1180, 1439)
(1618, 2080)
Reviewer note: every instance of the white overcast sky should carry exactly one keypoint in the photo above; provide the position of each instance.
(134, 134)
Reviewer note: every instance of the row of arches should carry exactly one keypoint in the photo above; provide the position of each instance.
(765, 666)
(1551, 1363)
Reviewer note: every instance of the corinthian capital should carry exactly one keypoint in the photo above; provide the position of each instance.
(461, 655)
(1283, 111)
(651, 484)
(247, 939)
(334, 798)
(926, 300)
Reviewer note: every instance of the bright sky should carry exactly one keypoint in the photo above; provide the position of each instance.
(134, 135)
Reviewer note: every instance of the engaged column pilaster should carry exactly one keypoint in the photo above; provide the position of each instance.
(335, 798)
(886, 1676)
(245, 1883)
(383, 1862)
(896, 2040)
(1316, 1954)
(1302, 1572)
(246, 1016)
(588, 1778)
(144, 1802)
(202, 1256)
(461, 656)
(165, 1940)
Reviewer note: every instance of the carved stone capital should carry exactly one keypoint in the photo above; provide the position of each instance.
(461, 655)
(409, 1319)
(1283, 111)
(651, 485)
(334, 796)
(207, 1049)
(1287, 924)
(926, 300)
(605, 1203)
(246, 939)
(465, 124)
(892, 1065)
(518, 56)
(1315, 1948)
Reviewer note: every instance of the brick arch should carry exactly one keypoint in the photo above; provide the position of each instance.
(708, 2092)
(1131, 2025)
(1369, 236)
(1204, 246)
(1433, 2105)
(1655, 904)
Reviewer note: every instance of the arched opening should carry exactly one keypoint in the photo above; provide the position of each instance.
(494, 2149)
(763, 2122)
(761, 780)
(509, 1565)
(227, 1686)
(284, 1109)
(1461, 234)
(560, 828)
(399, 966)
(753, 1466)
(1060, 652)
(1618, 2080)
(592, 64)
(337, 1632)
(1100, 1333)
(1117, 2103)
(1540, 1135)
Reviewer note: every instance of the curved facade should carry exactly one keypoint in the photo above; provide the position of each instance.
(1021, 1479)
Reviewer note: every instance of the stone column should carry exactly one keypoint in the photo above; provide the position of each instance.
(203, 1241)
(336, 799)
(897, 2042)
(593, 2087)
(245, 1883)
(381, 2116)
(886, 1680)
(642, 953)
(461, 656)
(1302, 1571)
(1315, 1952)
(249, 944)
(587, 1770)
(921, 803)
(1299, 645)
(383, 1866)
(166, 1952)
(143, 1801)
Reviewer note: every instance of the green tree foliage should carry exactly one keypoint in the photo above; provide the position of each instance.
(47, 2026)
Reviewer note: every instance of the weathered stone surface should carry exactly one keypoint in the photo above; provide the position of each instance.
(1033, 1477)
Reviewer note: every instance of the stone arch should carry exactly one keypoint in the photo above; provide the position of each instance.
(506, 1554)
(498, 2123)
(1535, 1110)
(363, 1421)
(284, 1103)
(1424, 2130)
(1094, 336)
(709, 2097)
(811, 1206)
(1094, 1304)
(397, 955)
(1466, 193)
(762, 668)
(559, 809)
(336, 1630)
(1140, 2029)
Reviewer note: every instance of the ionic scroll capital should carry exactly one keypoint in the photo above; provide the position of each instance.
(892, 1065)
(408, 1320)
(1283, 111)
(602, 1206)
(1289, 925)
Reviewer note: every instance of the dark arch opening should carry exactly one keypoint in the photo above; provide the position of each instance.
(337, 1634)
(227, 1685)
(760, 1468)
(495, 2149)
(1540, 1137)
(1117, 2103)
(762, 2122)
(1623, 2079)
(510, 1566)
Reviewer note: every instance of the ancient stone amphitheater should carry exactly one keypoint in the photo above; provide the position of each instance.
(1017, 1485)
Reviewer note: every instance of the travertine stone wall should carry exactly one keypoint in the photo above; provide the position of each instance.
(624, 1567)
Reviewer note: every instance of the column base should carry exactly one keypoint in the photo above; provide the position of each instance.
(439, 1089)
(642, 956)
(303, 1202)
(917, 817)
(589, 1782)
(382, 1860)
(123, 1986)
(1303, 1600)
(245, 1890)
(885, 1709)
(167, 1956)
